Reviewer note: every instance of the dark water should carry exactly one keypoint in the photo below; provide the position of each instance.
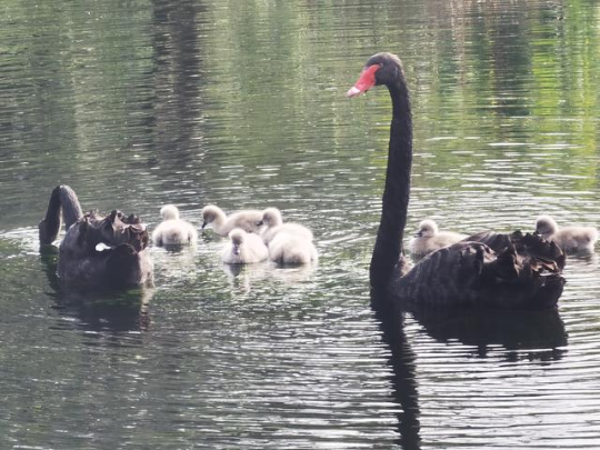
(137, 104)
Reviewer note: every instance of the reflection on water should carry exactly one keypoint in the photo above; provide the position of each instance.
(244, 277)
(116, 311)
(537, 335)
(150, 102)
(403, 365)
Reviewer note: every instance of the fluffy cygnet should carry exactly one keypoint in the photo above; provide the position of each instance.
(222, 224)
(288, 248)
(173, 230)
(273, 225)
(569, 239)
(244, 248)
(428, 238)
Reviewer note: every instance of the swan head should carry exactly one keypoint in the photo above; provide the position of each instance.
(427, 229)
(271, 218)
(546, 225)
(381, 68)
(169, 212)
(237, 236)
(210, 213)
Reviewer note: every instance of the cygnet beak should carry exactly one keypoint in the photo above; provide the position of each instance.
(204, 224)
(236, 250)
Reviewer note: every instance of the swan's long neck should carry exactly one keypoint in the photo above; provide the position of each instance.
(62, 197)
(388, 246)
(219, 221)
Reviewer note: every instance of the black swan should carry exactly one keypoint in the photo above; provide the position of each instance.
(122, 262)
(523, 274)
(570, 239)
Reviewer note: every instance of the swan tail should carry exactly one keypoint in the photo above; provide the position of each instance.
(531, 245)
(516, 279)
(62, 198)
(291, 256)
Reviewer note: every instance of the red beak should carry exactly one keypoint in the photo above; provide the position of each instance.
(365, 82)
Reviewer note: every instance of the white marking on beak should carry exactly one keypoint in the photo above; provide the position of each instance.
(353, 92)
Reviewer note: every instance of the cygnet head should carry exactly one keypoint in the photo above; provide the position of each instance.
(169, 212)
(271, 218)
(210, 213)
(545, 225)
(427, 228)
(237, 236)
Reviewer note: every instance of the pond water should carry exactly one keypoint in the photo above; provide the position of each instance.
(141, 103)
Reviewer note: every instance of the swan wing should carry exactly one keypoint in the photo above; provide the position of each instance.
(472, 274)
(527, 245)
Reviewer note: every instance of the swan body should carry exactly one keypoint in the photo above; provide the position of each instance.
(244, 248)
(124, 260)
(173, 230)
(222, 224)
(273, 225)
(469, 273)
(292, 249)
(571, 239)
(428, 238)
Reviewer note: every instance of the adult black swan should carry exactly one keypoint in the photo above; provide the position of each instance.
(96, 252)
(518, 272)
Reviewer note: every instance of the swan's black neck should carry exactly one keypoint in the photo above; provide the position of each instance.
(388, 246)
(62, 198)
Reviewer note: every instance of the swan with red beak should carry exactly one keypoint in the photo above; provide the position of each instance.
(365, 82)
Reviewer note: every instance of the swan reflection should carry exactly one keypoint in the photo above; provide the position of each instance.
(113, 310)
(533, 335)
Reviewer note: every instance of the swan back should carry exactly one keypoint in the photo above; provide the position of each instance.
(471, 274)
(244, 248)
(286, 248)
(246, 219)
(268, 234)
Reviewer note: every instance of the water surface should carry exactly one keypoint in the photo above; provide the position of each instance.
(242, 104)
